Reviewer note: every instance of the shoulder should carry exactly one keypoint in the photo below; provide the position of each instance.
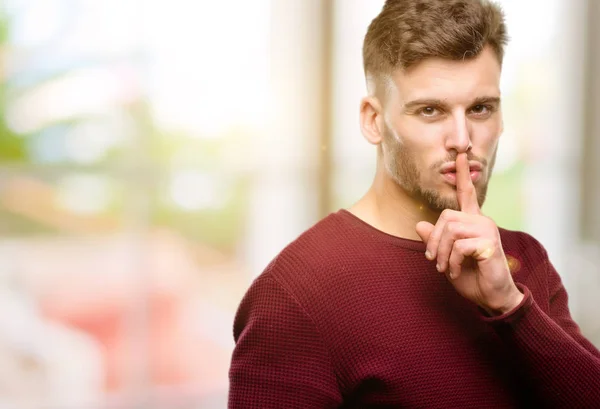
(310, 268)
(264, 300)
(520, 241)
(317, 253)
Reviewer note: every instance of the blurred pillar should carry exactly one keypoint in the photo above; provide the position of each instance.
(590, 166)
(588, 258)
(286, 195)
(354, 158)
(324, 177)
(551, 189)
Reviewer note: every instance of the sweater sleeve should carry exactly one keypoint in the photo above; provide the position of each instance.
(279, 360)
(563, 366)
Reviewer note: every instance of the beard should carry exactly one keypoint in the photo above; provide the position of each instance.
(401, 166)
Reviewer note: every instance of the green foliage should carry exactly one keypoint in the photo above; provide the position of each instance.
(155, 151)
(12, 147)
(218, 227)
(504, 202)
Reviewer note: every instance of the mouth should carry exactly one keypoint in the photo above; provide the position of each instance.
(448, 172)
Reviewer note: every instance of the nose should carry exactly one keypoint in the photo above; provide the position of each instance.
(459, 136)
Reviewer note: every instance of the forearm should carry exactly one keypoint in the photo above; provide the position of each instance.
(565, 373)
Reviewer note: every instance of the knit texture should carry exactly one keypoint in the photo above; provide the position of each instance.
(347, 316)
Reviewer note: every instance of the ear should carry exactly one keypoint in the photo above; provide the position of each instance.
(371, 120)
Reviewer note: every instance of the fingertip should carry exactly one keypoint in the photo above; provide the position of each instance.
(424, 230)
(454, 273)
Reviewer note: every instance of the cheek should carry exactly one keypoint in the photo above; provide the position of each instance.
(486, 135)
(428, 145)
(422, 146)
(422, 139)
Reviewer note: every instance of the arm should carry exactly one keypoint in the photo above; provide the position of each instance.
(563, 366)
(279, 360)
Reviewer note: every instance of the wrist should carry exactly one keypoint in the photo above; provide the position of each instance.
(512, 302)
(518, 298)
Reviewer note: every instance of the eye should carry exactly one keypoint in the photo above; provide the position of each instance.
(481, 110)
(429, 111)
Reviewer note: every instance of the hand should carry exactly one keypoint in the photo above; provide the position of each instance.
(466, 246)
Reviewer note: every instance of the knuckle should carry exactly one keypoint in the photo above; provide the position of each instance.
(458, 246)
(491, 242)
(446, 214)
(490, 222)
(455, 229)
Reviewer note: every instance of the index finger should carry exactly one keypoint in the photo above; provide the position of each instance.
(465, 190)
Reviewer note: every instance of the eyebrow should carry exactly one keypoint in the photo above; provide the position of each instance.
(442, 103)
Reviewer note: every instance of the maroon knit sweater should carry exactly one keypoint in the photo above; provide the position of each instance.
(350, 317)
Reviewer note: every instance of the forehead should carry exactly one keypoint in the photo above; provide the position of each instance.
(453, 81)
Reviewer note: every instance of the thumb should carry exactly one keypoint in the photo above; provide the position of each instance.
(424, 230)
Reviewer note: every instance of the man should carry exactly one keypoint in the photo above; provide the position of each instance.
(412, 297)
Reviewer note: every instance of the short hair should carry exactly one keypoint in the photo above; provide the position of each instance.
(407, 32)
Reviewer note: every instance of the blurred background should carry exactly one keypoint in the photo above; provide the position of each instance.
(155, 155)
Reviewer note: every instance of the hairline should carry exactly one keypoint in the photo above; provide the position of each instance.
(385, 78)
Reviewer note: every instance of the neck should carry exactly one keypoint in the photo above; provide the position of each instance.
(389, 208)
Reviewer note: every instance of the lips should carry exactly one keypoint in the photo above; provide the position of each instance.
(451, 167)
(448, 172)
(450, 177)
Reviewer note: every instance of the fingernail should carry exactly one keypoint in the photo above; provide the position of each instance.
(452, 275)
(428, 255)
(439, 268)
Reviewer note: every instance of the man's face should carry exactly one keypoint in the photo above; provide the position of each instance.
(434, 111)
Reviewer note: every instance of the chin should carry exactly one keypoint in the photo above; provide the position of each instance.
(450, 203)
(438, 199)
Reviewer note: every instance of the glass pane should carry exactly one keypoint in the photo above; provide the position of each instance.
(126, 193)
